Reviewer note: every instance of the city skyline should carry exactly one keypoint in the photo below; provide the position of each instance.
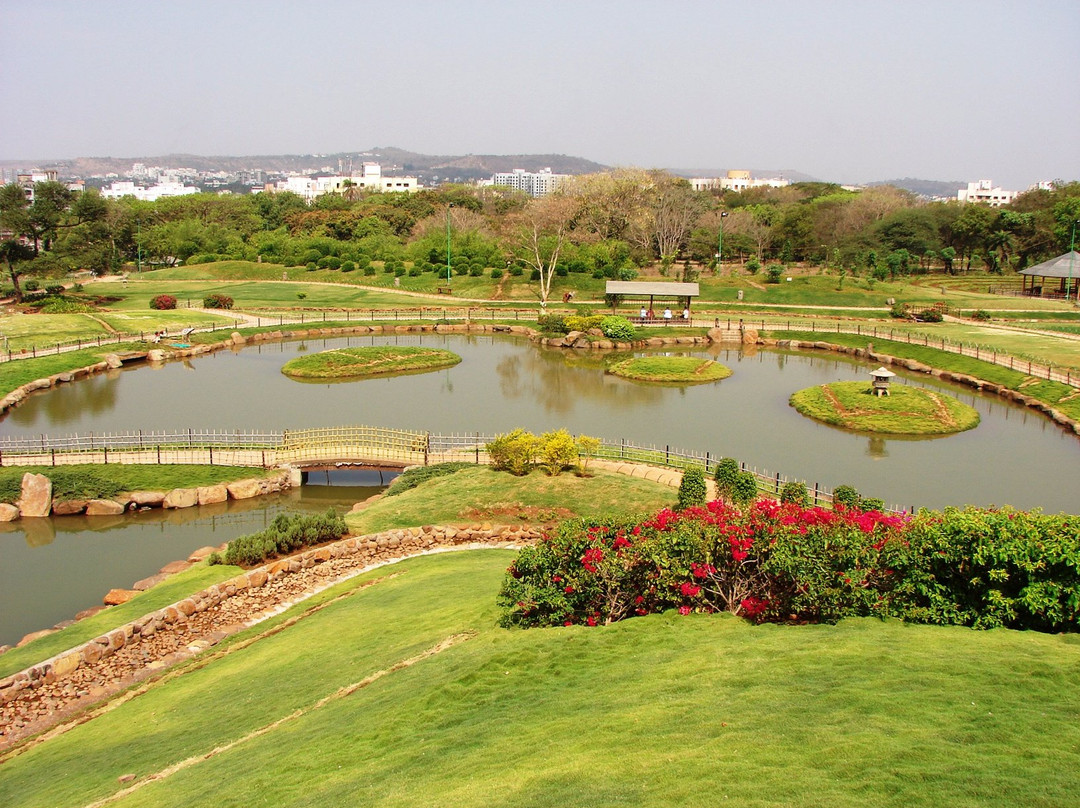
(844, 91)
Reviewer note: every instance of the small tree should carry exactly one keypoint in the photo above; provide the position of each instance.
(846, 495)
(692, 490)
(795, 492)
(727, 472)
(587, 447)
(745, 489)
(557, 451)
(514, 452)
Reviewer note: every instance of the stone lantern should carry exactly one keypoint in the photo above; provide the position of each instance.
(880, 379)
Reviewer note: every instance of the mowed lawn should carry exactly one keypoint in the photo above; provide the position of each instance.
(344, 708)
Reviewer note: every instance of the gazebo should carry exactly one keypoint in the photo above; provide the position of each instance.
(678, 295)
(1063, 274)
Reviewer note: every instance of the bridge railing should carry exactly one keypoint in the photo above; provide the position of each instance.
(331, 444)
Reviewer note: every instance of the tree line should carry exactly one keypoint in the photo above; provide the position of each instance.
(610, 225)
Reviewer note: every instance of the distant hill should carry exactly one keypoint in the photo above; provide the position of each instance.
(929, 188)
(426, 166)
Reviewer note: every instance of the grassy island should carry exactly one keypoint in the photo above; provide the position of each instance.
(670, 369)
(906, 411)
(359, 363)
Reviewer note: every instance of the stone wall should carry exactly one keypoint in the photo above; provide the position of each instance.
(236, 603)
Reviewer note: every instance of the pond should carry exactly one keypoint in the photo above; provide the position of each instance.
(1014, 456)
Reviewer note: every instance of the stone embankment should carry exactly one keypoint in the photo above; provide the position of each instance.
(51, 691)
(36, 497)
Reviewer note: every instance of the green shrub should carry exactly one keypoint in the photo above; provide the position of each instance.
(410, 478)
(217, 301)
(348, 266)
(552, 324)
(725, 475)
(514, 452)
(773, 274)
(476, 271)
(534, 275)
(744, 492)
(795, 493)
(981, 315)
(871, 504)
(369, 270)
(31, 285)
(496, 274)
(415, 271)
(63, 305)
(692, 489)
(584, 322)
(517, 271)
(333, 262)
(846, 495)
(618, 328)
(930, 316)
(311, 266)
(54, 289)
(557, 451)
(286, 534)
(753, 265)
(163, 303)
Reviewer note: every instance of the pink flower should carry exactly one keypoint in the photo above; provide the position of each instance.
(684, 610)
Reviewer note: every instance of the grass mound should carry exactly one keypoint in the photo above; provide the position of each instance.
(358, 363)
(906, 411)
(401, 691)
(670, 369)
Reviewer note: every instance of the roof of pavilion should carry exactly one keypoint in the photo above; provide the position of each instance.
(651, 289)
(1064, 266)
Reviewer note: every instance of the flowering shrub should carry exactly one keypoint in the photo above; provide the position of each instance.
(163, 302)
(217, 301)
(784, 562)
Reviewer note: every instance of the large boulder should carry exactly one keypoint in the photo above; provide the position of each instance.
(152, 499)
(181, 498)
(103, 507)
(113, 361)
(244, 489)
(8, 512)
(210, 494)
(36, 498)
(68, 507)
(114, 597)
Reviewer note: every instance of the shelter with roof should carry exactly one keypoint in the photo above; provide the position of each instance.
(1058, 277)
(669, 295)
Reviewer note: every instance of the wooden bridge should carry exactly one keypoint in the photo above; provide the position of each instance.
(374, 447)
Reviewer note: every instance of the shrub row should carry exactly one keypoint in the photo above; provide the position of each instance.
(286, 534)
(410, 478)
(783, 562)
(519, 451)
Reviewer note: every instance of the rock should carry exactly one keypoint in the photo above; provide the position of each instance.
(151, 499)
(181, 498)
(68, 507)
(34, 635)
(210, 494)
(115, 597)
(89, 612)
(113, 361)
(201, 554)
(125, 778)
(155, 355)
(103, 507)
(175, 566)
(8, 512)
(238, 338)
(147, 583)
(244, 489)
(749, 336)
(36, 498)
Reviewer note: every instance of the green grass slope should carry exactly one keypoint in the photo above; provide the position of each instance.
(344, 708)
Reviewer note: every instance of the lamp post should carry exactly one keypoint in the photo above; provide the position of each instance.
(720, 243)
(1072, 259)
(138, 245)
(448, 242)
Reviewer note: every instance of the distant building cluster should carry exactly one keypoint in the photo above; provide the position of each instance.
(535, 184)
(984, 192)
(150, 193)
(736, 180)
(370, 178)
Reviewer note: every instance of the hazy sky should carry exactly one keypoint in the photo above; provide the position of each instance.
(844, 90)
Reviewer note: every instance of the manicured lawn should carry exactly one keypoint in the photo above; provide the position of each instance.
(17, 373)
(26, 330)
(905, 411)
(357, 363)
(656, 711)
(150, 321)
(670, 369)
(482, 495)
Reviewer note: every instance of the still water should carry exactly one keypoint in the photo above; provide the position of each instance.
(1014, 456)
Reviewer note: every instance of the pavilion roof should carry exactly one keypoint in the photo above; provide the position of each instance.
(1064, 266)
(652, 289)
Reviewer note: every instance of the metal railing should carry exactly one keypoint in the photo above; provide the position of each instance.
(336, 444)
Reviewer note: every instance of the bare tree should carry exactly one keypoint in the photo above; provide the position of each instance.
(541, 229)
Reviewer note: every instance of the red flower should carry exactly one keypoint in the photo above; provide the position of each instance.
(556, 578)
(591, 621)
(684, 610)
(639, 599)
(568, 590)
(753, 607)
(568, 622)
(690, 590)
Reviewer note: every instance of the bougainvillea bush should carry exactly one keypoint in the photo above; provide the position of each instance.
(785, 562)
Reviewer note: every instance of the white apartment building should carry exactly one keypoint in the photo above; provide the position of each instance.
(371, 179)
(150, 194)
(736, 180)
(983, 192)
(540, 183)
